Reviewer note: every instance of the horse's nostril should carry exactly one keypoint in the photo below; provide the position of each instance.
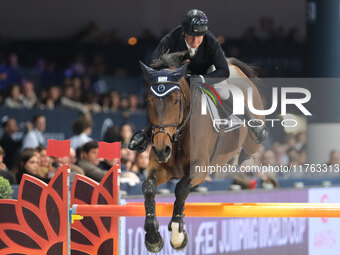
(167, 150)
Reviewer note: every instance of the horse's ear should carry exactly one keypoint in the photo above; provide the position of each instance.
(180, 72)
(148, 72)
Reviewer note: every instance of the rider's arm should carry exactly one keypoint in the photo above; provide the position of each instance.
(219, 61)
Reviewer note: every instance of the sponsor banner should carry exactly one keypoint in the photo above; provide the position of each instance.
(324, 234)
(235, 236)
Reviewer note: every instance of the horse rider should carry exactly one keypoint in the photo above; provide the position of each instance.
(204, 51)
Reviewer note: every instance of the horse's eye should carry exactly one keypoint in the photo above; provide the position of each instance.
(176, 101)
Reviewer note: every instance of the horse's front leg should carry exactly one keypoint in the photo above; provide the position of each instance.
(153, 240)
(179, 237)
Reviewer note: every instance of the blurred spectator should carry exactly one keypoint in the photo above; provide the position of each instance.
(334, 158)
(35, 137)
(105, 103)
(14, 70)
(3, 167)
(40, 66)
(29, 96)
(53, 98)
(291, 141)
(38, 156)
(43, 94)
(126, 134)
(115, 100)
(124, 104)
(67, 100)
(142, 161)
(77, 93)
(293, 155)
(29, 164)
(50, 75)
(303, 155)
(94, 104)
(98, 66)
(268, 158)
(281, 157)
(13, 61)
(136, 169)
(112, 134)
(45, 161)
(4, 79)
(59, 162)
(127, 158)
(4, 170)
(82, 129)
(73, 156)
(16, 99)
(129, 177)
(9, 144)
(89, 161)
(133, 102)
(106, 164)
(301, 140)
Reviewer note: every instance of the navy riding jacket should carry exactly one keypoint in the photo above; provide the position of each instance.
(209, 53)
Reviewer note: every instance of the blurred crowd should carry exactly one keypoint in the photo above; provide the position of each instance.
(50, 76)
(31, 78)
(292, 153)
(28, 154)
(80, 89)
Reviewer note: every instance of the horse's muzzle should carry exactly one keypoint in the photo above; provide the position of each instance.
(162, 155)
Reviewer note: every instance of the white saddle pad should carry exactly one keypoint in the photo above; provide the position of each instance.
(228, 124)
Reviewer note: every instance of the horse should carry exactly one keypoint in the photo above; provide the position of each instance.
(174, 113)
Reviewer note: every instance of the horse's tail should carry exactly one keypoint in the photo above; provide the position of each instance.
(247, 69)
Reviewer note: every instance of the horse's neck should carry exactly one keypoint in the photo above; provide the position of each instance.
(186, 92)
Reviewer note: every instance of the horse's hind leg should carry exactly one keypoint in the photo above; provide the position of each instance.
(153, 240)
(179, 237)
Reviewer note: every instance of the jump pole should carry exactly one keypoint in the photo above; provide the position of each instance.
(229, 210)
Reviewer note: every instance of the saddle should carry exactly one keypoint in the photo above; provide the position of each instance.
(220, 116)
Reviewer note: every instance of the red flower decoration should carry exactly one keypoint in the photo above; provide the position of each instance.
(94, 235)
(36, 223)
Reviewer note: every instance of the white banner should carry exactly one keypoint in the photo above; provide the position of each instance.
(324, 234)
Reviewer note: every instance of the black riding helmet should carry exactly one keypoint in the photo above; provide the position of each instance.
(195, 23)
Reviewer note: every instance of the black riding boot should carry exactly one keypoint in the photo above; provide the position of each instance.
(261, 132)
(141, 139)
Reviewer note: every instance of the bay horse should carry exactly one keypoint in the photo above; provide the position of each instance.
(174, 113)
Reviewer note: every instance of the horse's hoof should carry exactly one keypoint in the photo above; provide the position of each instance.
(154, 247)
(184, 244)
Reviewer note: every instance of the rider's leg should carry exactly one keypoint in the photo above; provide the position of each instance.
(260, 131)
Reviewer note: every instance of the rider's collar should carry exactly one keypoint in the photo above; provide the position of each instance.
(192, 51)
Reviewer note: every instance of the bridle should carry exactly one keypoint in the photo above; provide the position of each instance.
(181, 122)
